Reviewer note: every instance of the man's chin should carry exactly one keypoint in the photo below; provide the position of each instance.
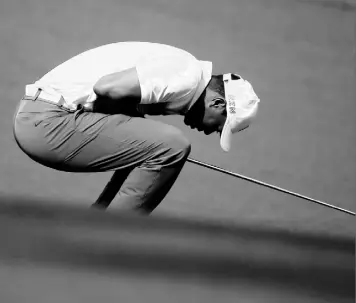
(188, 122)
(208, 132)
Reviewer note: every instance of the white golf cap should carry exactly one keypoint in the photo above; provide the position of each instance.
(241, 107)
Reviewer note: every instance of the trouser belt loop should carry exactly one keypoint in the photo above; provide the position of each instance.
(61, 102)
(37, 94)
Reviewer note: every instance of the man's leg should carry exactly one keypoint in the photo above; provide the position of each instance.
(111, 189)
(147, 156)
(148, 183)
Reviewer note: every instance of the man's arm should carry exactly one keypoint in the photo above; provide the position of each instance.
(119, 86)
(119, 92)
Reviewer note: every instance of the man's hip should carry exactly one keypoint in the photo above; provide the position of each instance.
(89, 142)
(40, 128)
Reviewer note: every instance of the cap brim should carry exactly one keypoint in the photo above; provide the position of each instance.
(225, 137)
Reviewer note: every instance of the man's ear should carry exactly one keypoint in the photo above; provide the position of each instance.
(218, 103)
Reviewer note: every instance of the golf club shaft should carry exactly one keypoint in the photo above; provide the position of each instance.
(269, 185)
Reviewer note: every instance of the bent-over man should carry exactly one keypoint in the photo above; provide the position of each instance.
(88, 115)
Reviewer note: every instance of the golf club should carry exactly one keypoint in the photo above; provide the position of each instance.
(269, 185)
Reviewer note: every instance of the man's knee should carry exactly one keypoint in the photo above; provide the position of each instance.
(176, 142)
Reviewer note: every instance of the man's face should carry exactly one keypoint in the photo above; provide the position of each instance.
(208, 115)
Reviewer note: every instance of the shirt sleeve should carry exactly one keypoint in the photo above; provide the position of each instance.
(168, 78)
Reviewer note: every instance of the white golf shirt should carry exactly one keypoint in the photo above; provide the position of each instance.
(171, 79)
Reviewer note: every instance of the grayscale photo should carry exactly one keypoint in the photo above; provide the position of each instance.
(195, 151)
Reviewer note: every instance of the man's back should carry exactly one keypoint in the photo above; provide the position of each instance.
(79, 73)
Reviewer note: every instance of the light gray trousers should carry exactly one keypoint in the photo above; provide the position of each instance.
(147, 156)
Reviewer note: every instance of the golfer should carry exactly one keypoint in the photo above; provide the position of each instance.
(88, 115)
